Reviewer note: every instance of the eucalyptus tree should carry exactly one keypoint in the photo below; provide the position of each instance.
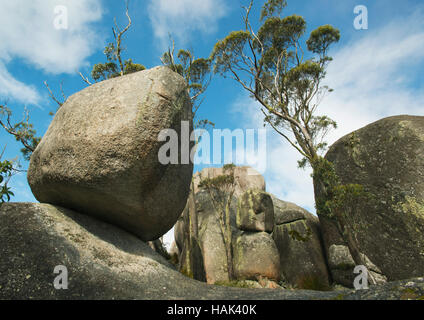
(283, 70)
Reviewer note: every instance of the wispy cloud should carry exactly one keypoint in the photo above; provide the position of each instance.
(374, 76)
(27, 33)
(181, 18)
(10, 87)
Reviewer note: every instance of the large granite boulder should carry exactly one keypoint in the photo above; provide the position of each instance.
(256, 256)
(255, 211)
(298, 240)
(387, 159)
(100, 153)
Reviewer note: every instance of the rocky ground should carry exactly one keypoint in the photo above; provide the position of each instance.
(105, 262)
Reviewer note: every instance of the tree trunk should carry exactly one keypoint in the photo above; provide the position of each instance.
(321, 194)
(194, 223)
(229, 241)
(356, 253)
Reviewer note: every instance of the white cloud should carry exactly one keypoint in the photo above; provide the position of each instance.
(11, 87)
(373, 78)
(27, 32)
(182, 17)
(283, 177)
(376, 76)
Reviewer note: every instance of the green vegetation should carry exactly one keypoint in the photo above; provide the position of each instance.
(284, 75)
(197, 74)
(6, 168)
(411, 294)
(295, 235)
(411, 206)
(115, 66)
(23, 131)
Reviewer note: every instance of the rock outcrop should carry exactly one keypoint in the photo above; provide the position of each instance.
(341, 264)
(246, 177)
(298, 239)
(255, 211)
(272, 239)
(105, 262)
(256, 256)
(100, 153)
(386, 158)
(210, 240)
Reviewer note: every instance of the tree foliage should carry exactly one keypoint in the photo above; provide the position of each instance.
(282, 72)
(197, 72)
(114, 65)
(6, 170)
(23, 131)
(285, 74)
(339, 202)
(110, 69)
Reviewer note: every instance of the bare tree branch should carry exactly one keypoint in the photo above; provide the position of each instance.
(59, 103)
(85, 79)
(118, 36)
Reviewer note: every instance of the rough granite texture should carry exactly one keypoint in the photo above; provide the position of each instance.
(387, 159)
(255, 211)
(100, 153)
(297, 236)
(255, 255)
(105, 262)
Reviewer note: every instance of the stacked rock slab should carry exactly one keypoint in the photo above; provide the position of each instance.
(255, 253)
(298, 239)
(255, 211)
(387, 159)
(271, 238)
(210, 240)
(210, 236)
(100, 153)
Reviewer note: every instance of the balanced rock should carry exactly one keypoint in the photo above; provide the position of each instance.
(255, 211)
(387, 159)
(100, 153)
(298, 240)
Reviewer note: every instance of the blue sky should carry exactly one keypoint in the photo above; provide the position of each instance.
(375, 72)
